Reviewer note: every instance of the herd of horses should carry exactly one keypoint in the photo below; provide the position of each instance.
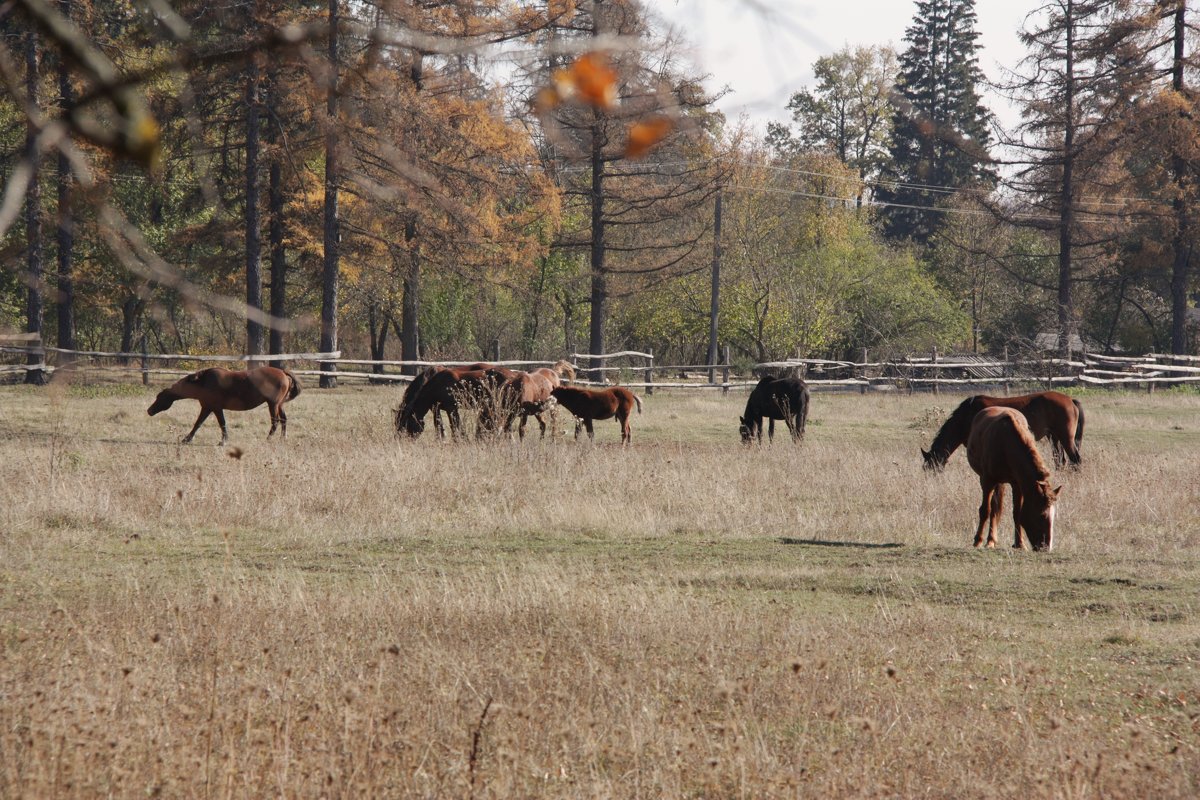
(500, 395)
(999, 433)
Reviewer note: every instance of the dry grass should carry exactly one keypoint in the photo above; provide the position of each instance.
(347, 615)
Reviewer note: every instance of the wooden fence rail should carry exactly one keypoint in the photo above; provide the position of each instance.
(925, 372)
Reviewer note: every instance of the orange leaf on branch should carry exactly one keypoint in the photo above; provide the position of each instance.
(643, 136)
(590, 79)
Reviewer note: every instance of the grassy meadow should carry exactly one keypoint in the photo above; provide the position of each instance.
(346, 615)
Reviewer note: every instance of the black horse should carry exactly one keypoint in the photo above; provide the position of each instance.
(775, 398)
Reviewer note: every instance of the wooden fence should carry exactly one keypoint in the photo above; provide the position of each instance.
(637, 369)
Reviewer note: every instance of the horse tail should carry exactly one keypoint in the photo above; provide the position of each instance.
(294, 389)
(637, 400)
(1078, 422)
(802, 416)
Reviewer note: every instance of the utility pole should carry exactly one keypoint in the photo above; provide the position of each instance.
(714, 309)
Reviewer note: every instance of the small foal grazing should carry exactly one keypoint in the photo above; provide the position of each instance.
(1001, 449)
(219, 390)
(592, 404)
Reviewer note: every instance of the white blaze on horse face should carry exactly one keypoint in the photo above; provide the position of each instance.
(1050, 529)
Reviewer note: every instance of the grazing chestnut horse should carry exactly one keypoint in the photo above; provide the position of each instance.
(592, 404)
(775, 398)
(1001, 449)
(220, 390)
(1052, 414)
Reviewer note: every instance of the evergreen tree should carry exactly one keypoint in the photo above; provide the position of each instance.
(940, 134)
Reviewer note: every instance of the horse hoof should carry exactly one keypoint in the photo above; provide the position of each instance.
(991, 545)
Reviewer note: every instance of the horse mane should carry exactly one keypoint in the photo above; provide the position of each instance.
(954, 430)
(1039, 463)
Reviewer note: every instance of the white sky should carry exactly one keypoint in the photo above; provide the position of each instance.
(764, 49)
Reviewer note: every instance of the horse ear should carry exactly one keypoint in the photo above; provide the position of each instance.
(924, 454)
(1058, 491)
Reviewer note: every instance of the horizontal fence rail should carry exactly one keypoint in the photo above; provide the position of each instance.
(639, 370)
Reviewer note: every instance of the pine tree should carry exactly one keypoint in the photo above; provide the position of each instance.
(940, 134)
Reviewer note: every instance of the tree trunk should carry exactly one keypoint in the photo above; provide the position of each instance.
(33, 217)
(275, 231)
(599, 308)
(1066, 220)
(1181, 262)
(66, 223)
(131, 314)
(377, 323)
(410, 332)
(254, 328)
(329, 283)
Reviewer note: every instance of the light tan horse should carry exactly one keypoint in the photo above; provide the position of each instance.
(1001, 449)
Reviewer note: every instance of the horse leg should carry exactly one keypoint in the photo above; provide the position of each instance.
(273, 410)
(282, 422)
(204, 412)
(221, 421)
(587, 423)
(1018, 500)
(994, 516)
(794, 427)
(1056, 447)
(542, 423)
(521, 427)
(578, 424)
(984, 511)
(626, 433)
(771, 430)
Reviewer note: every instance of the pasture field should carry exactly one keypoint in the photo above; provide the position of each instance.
(345, 615)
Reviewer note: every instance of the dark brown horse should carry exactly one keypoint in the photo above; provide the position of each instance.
(1052, 414)
(220, 390)
(443, 389)
(592, 404)
(1001, 449)
(775, 398)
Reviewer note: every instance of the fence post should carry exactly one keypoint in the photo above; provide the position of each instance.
(495, 349)
(725, 371)
(936, 371)
(650, 373)
(145, 362)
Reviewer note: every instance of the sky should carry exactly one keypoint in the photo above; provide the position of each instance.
(764, 49)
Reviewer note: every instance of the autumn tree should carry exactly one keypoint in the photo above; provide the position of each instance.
(1071, 162)
(642, 219)
(847, 112)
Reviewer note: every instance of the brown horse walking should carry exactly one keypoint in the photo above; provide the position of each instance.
(1000, 448)
(220, 390)
(592, 404)
(1052, 414)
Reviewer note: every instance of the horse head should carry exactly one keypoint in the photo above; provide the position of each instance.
(933, 462)
(744, 430)
(161, 403)
(407, 423)
(564, 369)
(1037, 516)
